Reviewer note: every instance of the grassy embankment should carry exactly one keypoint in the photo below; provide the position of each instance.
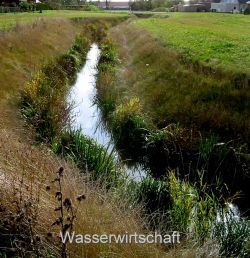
(27, 202)
(213, 48)
(170, 202)
(36, 172)
(172, 116)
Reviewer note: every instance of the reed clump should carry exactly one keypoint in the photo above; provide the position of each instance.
(128, 126)
(89, 156)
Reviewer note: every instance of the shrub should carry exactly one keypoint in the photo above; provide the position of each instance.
(43, 6)
(247, 11)
(91, 8)
(160, 9)
(25, 6)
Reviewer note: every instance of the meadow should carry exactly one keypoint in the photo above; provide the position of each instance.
(218, 40)
(8, 21)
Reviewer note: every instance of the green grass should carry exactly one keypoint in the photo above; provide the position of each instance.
(9, 20)
(89, 156)
(217, 40)
(171, 91)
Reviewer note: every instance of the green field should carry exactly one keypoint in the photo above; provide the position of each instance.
(218, 40)
(9, 20)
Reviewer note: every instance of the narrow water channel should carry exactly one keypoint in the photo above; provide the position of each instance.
(86, 115)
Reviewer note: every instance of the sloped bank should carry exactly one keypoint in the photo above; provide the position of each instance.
(172, 147)
(173, 203)
(44, 105)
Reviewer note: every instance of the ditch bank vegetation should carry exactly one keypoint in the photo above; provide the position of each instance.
(146, 95)
(162, 200)
(126, 84)
(111, 202)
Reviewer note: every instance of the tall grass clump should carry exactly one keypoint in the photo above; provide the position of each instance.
(193, 211)
(232, 234)
(154, 194)
(168, 147)
(89, 156)
(129, 126)
(106, 94)
(203, 217)
(43, 105)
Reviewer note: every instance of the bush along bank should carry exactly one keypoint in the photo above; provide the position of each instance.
(171, 147)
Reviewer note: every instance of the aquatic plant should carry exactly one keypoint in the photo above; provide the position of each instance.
(89, 156)
(232, 233)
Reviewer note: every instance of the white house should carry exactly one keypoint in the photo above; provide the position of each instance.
(227, 6)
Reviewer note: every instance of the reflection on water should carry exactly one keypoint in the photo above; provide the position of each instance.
(86, 116)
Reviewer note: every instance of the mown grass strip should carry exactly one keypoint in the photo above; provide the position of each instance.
(217, 40)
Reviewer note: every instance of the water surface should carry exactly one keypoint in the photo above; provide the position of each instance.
(86, 115)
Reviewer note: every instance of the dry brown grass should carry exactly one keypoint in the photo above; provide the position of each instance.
(25, 48)
(99, 213)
